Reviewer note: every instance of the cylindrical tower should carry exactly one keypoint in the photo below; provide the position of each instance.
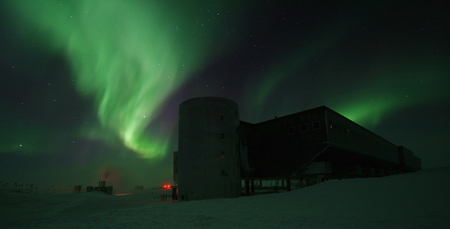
(208, 156)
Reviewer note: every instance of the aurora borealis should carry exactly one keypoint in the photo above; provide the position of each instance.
(90, 89)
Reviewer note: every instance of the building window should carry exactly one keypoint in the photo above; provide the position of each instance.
(222, 136)
(224, 173)
(291, 130)
(221, 118)
(303, 127)
(331, 126)
(316, 125)
(222, 154)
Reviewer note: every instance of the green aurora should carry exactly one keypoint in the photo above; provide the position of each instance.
(128, 55)
(391, 81)
(374, 95)
(91, 89)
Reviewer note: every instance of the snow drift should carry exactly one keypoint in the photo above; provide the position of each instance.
(415, 200)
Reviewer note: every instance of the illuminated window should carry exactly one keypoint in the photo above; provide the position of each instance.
(303, 127)
(316, 125)
(291, 130)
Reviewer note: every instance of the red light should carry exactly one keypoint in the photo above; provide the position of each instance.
(167, 186)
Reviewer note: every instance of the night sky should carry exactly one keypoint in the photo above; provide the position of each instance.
(89, 90)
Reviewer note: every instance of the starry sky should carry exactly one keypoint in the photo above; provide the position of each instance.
(90, 89)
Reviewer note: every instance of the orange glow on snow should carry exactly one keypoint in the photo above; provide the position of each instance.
(123, 194)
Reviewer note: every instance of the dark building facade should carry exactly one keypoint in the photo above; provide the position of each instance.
(215, 147)
(319, 141)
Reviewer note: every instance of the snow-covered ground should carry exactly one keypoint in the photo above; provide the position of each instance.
(416, 200)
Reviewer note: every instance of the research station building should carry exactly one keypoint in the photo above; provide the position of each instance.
(217, 152)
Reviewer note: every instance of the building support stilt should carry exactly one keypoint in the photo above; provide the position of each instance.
(288, 183)
(247, 188)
